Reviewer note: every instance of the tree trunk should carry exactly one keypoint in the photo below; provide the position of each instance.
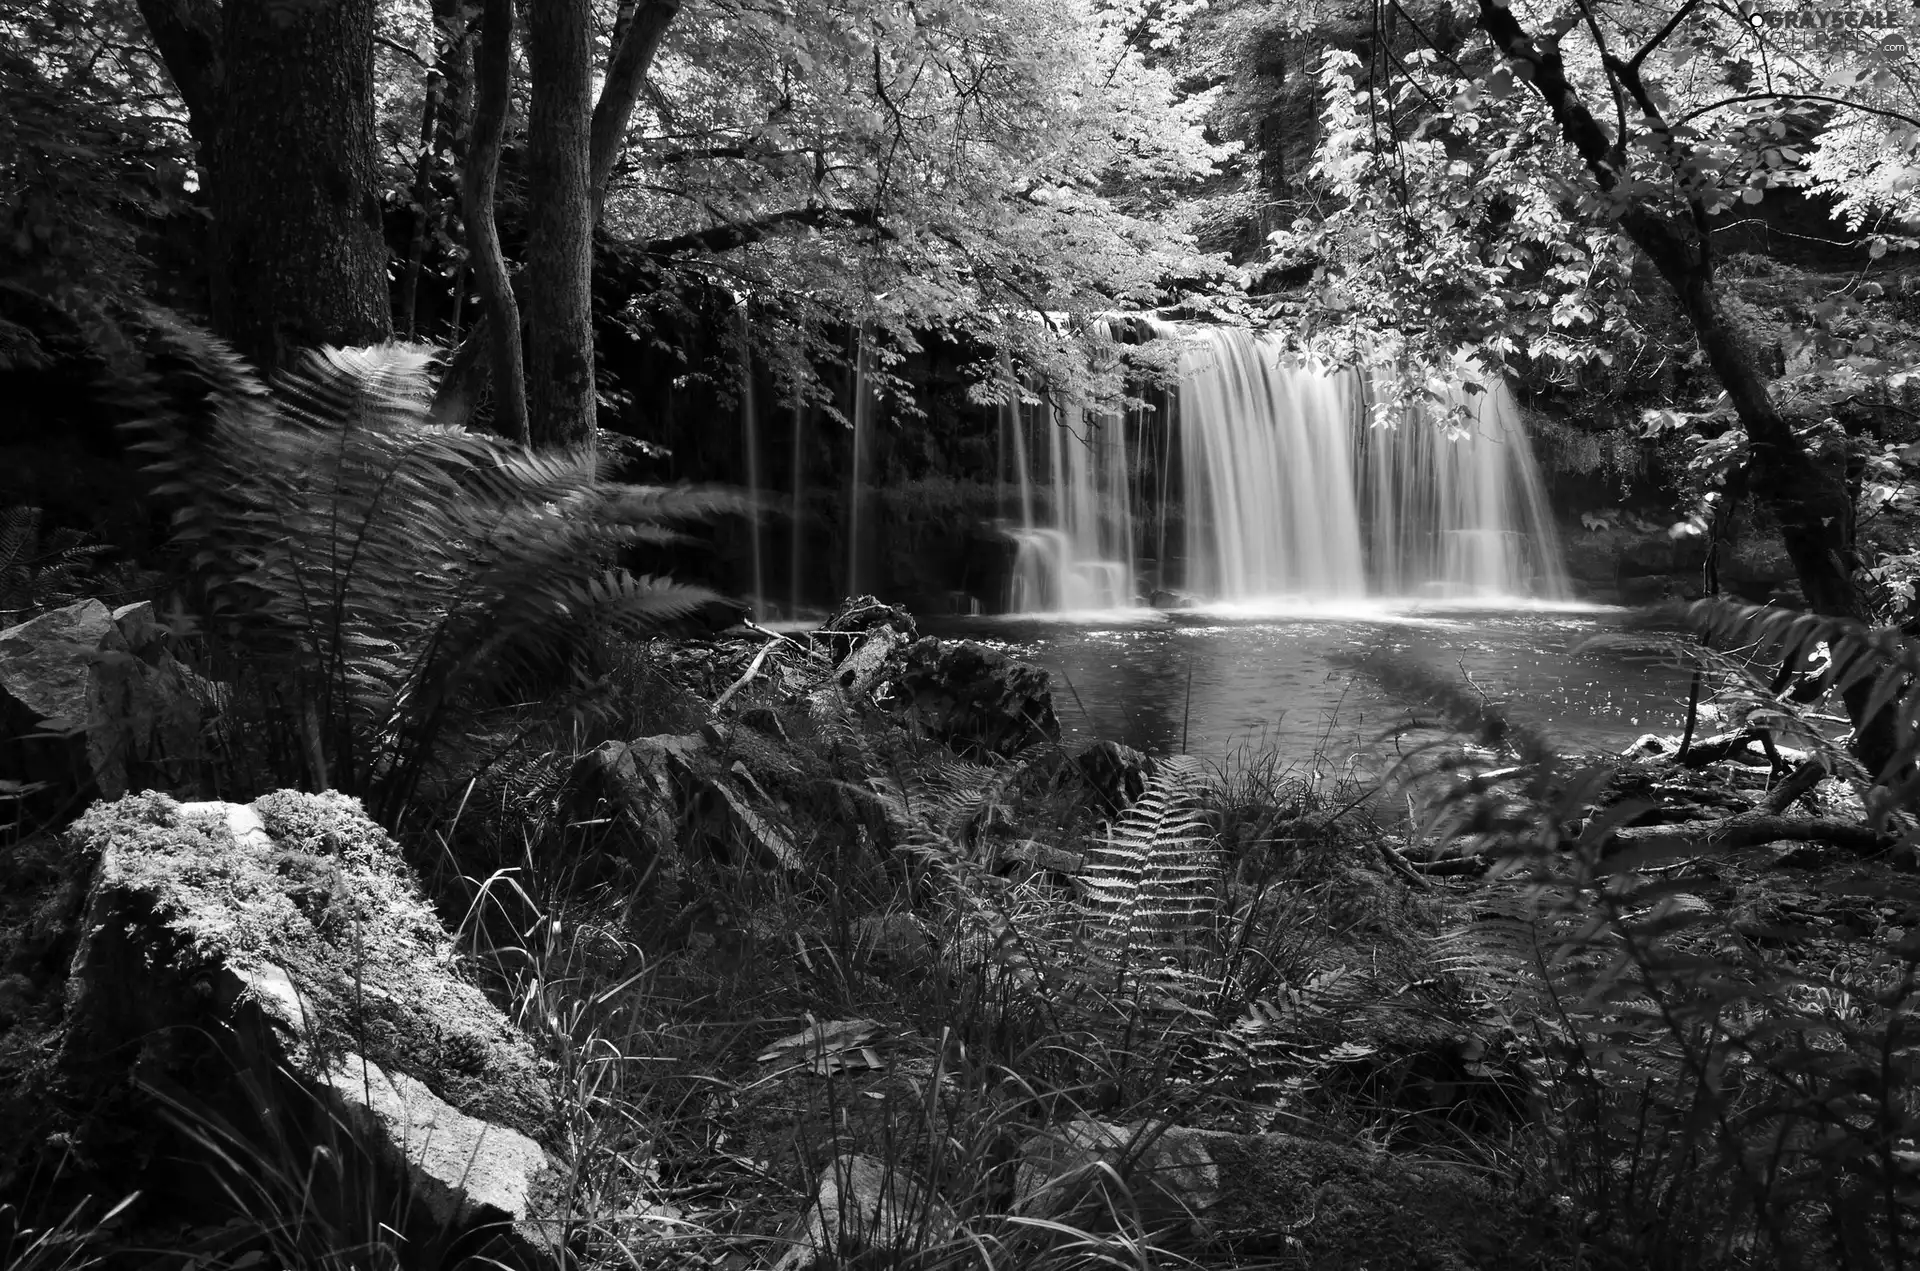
(559, 266)
(303, 255)
(635, 42)
(450, 30)
(500, 314)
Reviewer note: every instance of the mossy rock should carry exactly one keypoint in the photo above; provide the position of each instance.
(188, 921)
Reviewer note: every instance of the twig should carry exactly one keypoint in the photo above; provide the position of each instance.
(753, 669)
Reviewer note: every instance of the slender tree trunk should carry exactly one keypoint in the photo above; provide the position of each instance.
(422, 198)
(500, 314)
(559, 267)
(304, 258)
(635, 41)
(450, 38)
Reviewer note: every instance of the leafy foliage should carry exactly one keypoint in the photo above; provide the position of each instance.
(1723, 1096)
(385, 580)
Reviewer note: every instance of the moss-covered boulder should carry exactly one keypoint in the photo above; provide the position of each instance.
(283, 949)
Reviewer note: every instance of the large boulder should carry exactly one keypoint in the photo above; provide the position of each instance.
(92, 695)
(1317, 1205)
(973, 697)
(283, 945)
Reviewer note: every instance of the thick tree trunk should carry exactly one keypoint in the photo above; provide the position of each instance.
(305, 262)
(500, 314)
(559, 267)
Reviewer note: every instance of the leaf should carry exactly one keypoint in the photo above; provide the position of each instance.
(830, 1046)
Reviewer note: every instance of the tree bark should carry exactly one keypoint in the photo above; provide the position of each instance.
(500, 313)
(304, 258)
(559, 265)
(1809, 499)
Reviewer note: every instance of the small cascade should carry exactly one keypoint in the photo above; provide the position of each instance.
(862, 422)
(796, 533)
(1463, 516)
(751, 440)
(1085, 559)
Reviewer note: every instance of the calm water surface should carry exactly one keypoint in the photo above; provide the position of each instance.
(1230, 680)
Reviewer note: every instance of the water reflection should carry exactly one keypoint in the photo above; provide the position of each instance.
(1225, 684)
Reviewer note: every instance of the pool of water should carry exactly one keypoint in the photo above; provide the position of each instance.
(1216, 681)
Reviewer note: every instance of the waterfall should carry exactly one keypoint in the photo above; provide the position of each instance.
(1085, 559)
(751, 440)
(1269, 492)
(1286, 491)
(799, 505)
(1463, 516)
(862, 421)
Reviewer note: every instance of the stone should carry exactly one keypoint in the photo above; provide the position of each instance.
(88, 692)
(1318, 1205)
(866, 1212)
(45, 662)
(973, 697)
(288, 936)
(1116, 774)
(1042, 856)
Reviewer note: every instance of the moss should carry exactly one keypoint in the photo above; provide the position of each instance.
(326, 898)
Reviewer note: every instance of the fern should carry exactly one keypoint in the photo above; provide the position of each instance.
(385, 579)
(1151, 884)
(1725, 1094)
(39, 571)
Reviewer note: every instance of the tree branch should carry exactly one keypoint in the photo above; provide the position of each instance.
(187, 35)
(1895, 115)
(1660, 38)
(724, 238)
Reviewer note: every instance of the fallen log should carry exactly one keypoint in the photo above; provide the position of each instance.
(1749, 829)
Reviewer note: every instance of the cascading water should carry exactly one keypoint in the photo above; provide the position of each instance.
(856, 481)
(1269, 490)
(1085, 559)
(795, 535)
(1463, 516)
(751, 442)
(1286, 492)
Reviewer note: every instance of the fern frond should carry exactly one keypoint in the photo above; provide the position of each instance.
(1152, 882)
(390, 574)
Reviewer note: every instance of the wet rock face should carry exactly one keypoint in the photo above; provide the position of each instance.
(223, 945)
(974, 698)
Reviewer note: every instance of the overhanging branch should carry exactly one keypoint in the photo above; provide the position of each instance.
(734, 234)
